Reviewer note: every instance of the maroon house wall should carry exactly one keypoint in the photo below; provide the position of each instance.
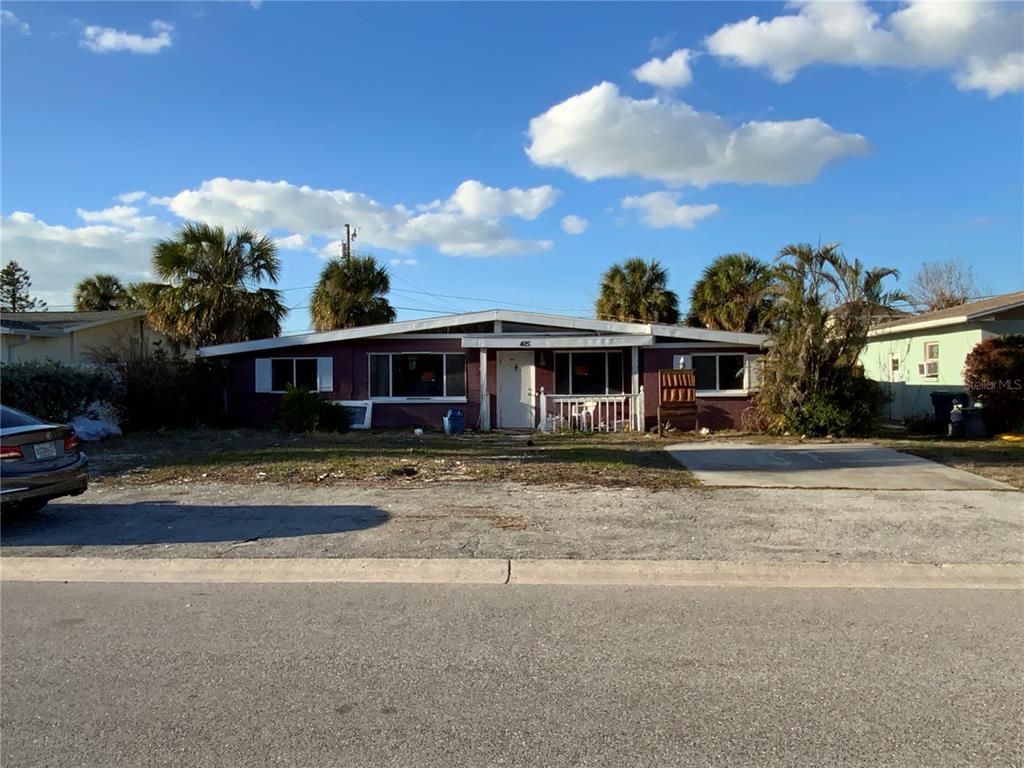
(712, 412)
(351, 382)
(351, 376)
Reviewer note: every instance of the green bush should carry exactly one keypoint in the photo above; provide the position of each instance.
(995, 375)
(849, 407)
(53, 391)
(304, 411)
(168, 391)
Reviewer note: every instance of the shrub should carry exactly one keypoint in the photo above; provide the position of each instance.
(53, 391)
(849, 407)
(995, 376)
(304, 411)
(168, 391)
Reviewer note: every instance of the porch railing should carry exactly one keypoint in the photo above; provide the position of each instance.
(591, 413)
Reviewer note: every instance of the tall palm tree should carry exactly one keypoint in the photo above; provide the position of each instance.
(637, 290)
(212, 290)
(100, 293)
(351, 292)
(732, 294)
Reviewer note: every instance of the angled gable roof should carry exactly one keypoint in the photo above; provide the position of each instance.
(61, 323)
(569, 324)
(963, 313)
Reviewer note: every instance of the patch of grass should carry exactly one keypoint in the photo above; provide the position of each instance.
(992, 458)
(390, 457)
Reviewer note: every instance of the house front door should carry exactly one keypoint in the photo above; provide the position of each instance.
(516, 405)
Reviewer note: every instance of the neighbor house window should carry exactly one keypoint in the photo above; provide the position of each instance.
(930, 366)
(418, 375)
(719, 373)
(588, 373)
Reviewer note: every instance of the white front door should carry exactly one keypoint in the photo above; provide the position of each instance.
(515, 389)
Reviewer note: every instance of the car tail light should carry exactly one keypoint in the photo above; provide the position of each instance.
(10, 452)
(71, 443)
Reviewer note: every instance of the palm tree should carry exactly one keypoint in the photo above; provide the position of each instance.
(732, 294)
(637, 290)
(822, 311)
(212, 292)
(351, 292)
(100, 293)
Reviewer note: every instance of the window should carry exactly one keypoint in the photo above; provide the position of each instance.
(930, 366)
(293, 372)
(276, 374)
(417, 375)
(588, 373)
(894, 364)
(720, 373)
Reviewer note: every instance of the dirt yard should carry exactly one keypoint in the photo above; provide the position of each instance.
(388, 458)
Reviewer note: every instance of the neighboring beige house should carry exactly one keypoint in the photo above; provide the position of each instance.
(74, 337)
(921, 354)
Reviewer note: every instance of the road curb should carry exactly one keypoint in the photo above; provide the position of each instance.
(695, 573)
(731, 574)
(256, 570)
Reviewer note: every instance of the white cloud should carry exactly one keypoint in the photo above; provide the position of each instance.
(403, 262)
(131, 197)
(7, 18)
(293, 242)
(601, 133)
(109, 40)
(469, 223)
(671, 72)
(981, 41)
(574, 225)
(661, 210)
(256, 4)
(57, 257)
(127, 218)
(995, 77)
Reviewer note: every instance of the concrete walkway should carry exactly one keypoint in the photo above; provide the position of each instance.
(840, 465)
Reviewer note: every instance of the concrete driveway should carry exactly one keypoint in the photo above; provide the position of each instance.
(839, 465)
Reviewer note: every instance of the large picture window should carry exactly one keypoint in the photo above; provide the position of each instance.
(417, 375)
(588, 373)
(719, 373)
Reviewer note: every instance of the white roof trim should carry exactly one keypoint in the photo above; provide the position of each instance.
(553, 342)
(490, 315)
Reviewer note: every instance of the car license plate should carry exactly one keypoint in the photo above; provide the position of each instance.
(46, 450)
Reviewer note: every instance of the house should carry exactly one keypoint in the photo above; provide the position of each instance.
(505, 369)
(73, 337)
(926, 353)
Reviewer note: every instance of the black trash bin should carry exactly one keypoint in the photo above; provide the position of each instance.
(942, 403)
(974, 424)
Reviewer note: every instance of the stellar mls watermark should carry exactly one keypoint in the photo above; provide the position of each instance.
(994, 385)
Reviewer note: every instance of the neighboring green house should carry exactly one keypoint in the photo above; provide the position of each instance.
(921, 354)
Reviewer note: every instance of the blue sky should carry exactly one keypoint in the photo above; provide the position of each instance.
(898, 134)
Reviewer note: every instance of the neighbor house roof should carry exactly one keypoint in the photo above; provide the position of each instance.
(963, 313)
(491, 315)
(60, 323)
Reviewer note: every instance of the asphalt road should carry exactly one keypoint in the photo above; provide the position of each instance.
(373, 675)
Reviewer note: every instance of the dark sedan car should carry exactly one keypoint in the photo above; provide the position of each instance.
(38, 461)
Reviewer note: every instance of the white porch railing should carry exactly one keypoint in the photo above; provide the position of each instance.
(591, 413)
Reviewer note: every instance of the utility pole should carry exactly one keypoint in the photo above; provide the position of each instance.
(346, 247)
